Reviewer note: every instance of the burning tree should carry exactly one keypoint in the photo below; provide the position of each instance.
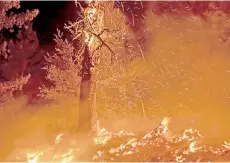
(96, 50)
(104, 39)
(15, 53)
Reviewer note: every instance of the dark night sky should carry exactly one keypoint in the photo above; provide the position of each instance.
(52, 15)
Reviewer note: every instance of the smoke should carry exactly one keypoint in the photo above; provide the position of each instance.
(186, 69)
(188, 73)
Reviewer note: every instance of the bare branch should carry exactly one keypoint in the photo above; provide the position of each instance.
(106, 45)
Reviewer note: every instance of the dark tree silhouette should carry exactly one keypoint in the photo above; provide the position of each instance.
(15, 52)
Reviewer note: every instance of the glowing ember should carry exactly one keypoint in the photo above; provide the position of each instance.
(159, 144)
(102, 137)
(124, 146)
(192, 147)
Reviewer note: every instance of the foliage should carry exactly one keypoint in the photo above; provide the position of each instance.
(63, 68)
(104, 30)
(16, 54)
(19, 20)
(7, 88)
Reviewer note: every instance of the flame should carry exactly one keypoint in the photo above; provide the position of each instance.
(192, 147)
(133, 145)
(89, 39)
(33, 157)
(90, 1)
(136, 144)
(226, 145)
(95, 17)
(91, 14)
(102, 137)
(165, 123)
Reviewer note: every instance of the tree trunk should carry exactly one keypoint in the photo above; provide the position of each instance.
(85, 112)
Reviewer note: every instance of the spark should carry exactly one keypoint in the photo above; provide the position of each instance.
(133, 20)
(150, 140)
(165, 16)
(152, 13)
(58, 138)
(122, 6)
(172, 53)
(142, 54)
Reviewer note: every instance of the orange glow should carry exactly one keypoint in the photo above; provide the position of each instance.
(171, 106)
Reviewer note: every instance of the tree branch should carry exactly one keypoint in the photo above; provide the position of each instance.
(106, 45)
